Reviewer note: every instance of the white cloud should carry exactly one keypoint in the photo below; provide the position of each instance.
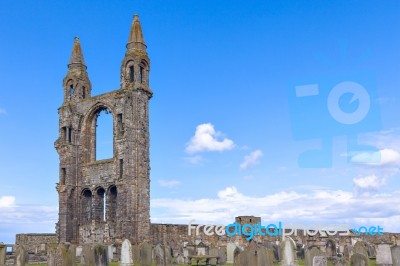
(368, 183)
(378, 158)
(205, 139)
(168, 183)
(12, 213)
(194, 159)
(2, 111)
(251, 159)
(7, 201)
(306, 207)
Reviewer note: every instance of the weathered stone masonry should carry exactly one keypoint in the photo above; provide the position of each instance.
(122, 182)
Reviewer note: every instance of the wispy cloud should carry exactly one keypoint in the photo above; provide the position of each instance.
(368, 183)
(251, 159)
(378, 158)
(2, 111)
(197, 159)
(168, 183)
(13, 213)
(206, 139)
(7, 201)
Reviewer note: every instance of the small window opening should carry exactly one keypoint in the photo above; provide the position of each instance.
(119, 124)
(64, 133)
(71, 90)
(83, 92)
(104, 206)
(131, 74)
(63, 175)
(141, 75)
(121, 168)
(69, 134)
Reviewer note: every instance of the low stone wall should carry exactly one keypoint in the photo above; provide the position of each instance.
(36, 243)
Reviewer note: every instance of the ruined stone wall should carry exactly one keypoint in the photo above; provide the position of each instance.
(36, 243)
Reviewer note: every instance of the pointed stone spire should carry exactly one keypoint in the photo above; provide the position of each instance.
(76, 55)
(136, 39)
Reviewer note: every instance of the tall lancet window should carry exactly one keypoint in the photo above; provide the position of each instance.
(131, 74)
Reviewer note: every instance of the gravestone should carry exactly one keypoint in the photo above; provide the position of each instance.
(230, 248)
(330, 248)
(310, 253)
(201, 249)
(78, 252)
(100, 255)
(180, 259)
(213, 252)
(265, 256)
(110, 253)
(299, 251)
(20, 256)
(236, 254)
(222, 256)
(145, 254)
(185, 254)
(383, 254)
(320, 261)
(358, 260)
(159, 255)
(87, 256)
(347, 251)
(246, 258)
(288, 251)
(167, 255)
(126, 253)
(361, 248)
(338, 261)
(371, 251)
(3, 249)
(395, 255)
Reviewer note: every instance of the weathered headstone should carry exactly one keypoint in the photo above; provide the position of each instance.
(213, 252)
(110, 253)
(358, 260)
(338, 261)
(126, 253)
(3, 249)
(320, 261)
(201, 249)
(310, 253)
(167, 255)
(361, 248)
(20, 256)
(265, 257)
(145, 254)
(222, 256)
(78, 251)
(383, 254)
(330, 248)
(236, 254)
(230, 248)
(159, 255)
(395, 255)
(100, 255)
(88, 255)
(347, 250)
(246, 258)
(371, 251)
(288, 251)
(180, 259)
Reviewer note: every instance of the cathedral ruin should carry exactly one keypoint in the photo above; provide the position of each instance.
(105, 200)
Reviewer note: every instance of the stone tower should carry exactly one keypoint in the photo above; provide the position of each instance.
(105, 201)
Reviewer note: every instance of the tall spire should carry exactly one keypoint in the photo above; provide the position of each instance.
(76, 55)
(136, 39)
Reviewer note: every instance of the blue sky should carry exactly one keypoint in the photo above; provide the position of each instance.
(224, 135)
